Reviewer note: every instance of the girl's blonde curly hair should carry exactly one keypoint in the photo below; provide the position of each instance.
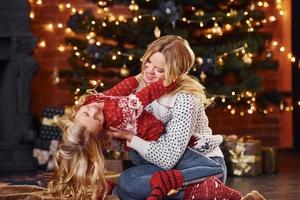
(79, 166)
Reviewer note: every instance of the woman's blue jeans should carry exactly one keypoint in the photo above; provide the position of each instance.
(134, 182)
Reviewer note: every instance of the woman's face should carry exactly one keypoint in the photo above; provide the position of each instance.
(154, 68)
(91, 116)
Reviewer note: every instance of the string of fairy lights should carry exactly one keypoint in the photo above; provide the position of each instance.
(209, 32)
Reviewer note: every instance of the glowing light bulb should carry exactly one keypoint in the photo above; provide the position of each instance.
(232, 111)
(272, 18)
(60, 25)
(293, 59)
(266, 4)
(42, 43)
(31, 15)
(282, 49)
(281, 13)
(61, 7)
(61, 48)
(68, 30)
(68, 5)
(274, 43)
(228, 27)
(49, 27)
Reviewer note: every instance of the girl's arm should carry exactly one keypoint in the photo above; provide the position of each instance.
(124, 88)
(154, 91)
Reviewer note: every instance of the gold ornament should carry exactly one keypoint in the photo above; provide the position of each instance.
(247, 59)
(220, 61)
(202, 76)
(133, 7)
(217, 29)
(124, 71)
(157, 32)
(199, 60)
(233, 13)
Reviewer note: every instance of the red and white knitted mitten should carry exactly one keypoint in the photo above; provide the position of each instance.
(163, 181)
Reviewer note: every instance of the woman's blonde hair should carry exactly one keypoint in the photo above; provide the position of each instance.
(179, 59)
(79, 167)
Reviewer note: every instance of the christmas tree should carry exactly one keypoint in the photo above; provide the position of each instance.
(226, 36)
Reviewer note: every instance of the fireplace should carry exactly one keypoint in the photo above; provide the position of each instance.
(17, 68)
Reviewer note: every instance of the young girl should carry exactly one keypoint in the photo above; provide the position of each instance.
(80, 163)
(173, 167)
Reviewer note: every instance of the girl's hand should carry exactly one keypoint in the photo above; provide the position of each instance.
(140, 77)
(115, 133)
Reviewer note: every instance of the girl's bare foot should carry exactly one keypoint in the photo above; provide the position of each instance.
(254, 195)
(111, 197)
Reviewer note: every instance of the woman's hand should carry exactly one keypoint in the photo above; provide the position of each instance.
(115, 133)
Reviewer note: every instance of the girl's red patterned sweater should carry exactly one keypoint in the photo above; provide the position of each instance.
(125, 111)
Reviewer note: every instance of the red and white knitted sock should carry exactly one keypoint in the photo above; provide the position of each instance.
(163, 181)
(211, 188)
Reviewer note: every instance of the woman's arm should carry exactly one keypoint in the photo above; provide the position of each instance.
(167, 150)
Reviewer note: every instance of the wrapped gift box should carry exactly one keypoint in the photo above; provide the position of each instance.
(244, 156)
(270, 159)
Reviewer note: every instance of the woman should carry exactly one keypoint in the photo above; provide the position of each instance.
(187, 151)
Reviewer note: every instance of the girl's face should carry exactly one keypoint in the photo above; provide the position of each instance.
(154, 68)
(91, 116)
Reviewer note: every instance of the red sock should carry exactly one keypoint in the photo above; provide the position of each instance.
(163, 181)
(110, 187)
(211, 188)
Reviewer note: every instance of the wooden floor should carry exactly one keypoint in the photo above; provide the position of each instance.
(284, 185)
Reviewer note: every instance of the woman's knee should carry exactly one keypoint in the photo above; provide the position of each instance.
(136, 179)
(127, 181)
(222, 168)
